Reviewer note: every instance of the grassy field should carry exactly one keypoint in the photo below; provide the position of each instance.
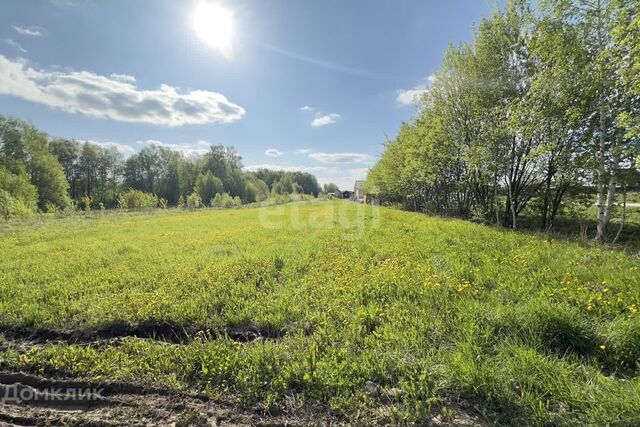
(375, 314)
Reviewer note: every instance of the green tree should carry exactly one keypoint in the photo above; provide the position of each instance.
(207, 186)
(18, 197)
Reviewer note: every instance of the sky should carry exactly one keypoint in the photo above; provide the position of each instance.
(316, 86)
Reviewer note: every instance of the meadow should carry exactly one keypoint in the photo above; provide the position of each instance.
(356, 313)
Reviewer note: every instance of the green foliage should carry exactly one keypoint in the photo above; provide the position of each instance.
(67, 173)
(22, 147)
(10, 207)
(194, 201)
(85, 202)
(539, 107)
(51, 208)
(281, 182)
(136, 200)
(621, 338)
(207, 186)
(18, 197)
(251, 193)
(225, 201)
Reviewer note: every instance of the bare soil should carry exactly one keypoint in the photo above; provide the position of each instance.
(57, 401)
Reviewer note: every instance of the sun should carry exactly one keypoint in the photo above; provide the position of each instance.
(214, 24)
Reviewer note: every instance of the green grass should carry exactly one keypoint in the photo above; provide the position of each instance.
(528, 329)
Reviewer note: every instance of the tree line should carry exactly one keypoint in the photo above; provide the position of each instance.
(537, 112)
(39, 173)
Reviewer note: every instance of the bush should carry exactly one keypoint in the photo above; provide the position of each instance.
(18, 197)
(216, 202)
(194, 201)
(51, 208)
(10, 207)
(85, 203)
(136, 199)
(225, 201)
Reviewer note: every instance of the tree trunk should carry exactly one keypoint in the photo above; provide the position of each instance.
(601, 227)
(495, 198)
(624, 213)
(613, 181)
(512, 205)
(547, 198)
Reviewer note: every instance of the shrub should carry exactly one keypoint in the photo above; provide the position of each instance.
(216, 202)
(18, 197)
(51, 207)
(85, 203)
(194, 201)
(136, 199)
(10, 207)
(225, 201)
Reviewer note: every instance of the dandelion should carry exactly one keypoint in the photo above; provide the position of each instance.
(603, 347)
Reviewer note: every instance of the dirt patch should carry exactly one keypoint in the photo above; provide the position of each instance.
(157, 331)
(33, 400)
(463, 411)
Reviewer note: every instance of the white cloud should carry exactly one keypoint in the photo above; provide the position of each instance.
(341, 157)
(194, 149)
(15, 45)
(32, 30)
(291, 168)
(326, 119)
(125, 78)
(306, 108)
(64, 3)
(272, 152)
(303, 151)
(125, 150)
(116, 98)
(414, 95)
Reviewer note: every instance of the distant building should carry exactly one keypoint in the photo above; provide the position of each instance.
(346, 194)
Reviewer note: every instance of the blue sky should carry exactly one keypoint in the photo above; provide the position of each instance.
(305, 85)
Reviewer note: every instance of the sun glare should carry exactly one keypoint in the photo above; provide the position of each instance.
(214, 24)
